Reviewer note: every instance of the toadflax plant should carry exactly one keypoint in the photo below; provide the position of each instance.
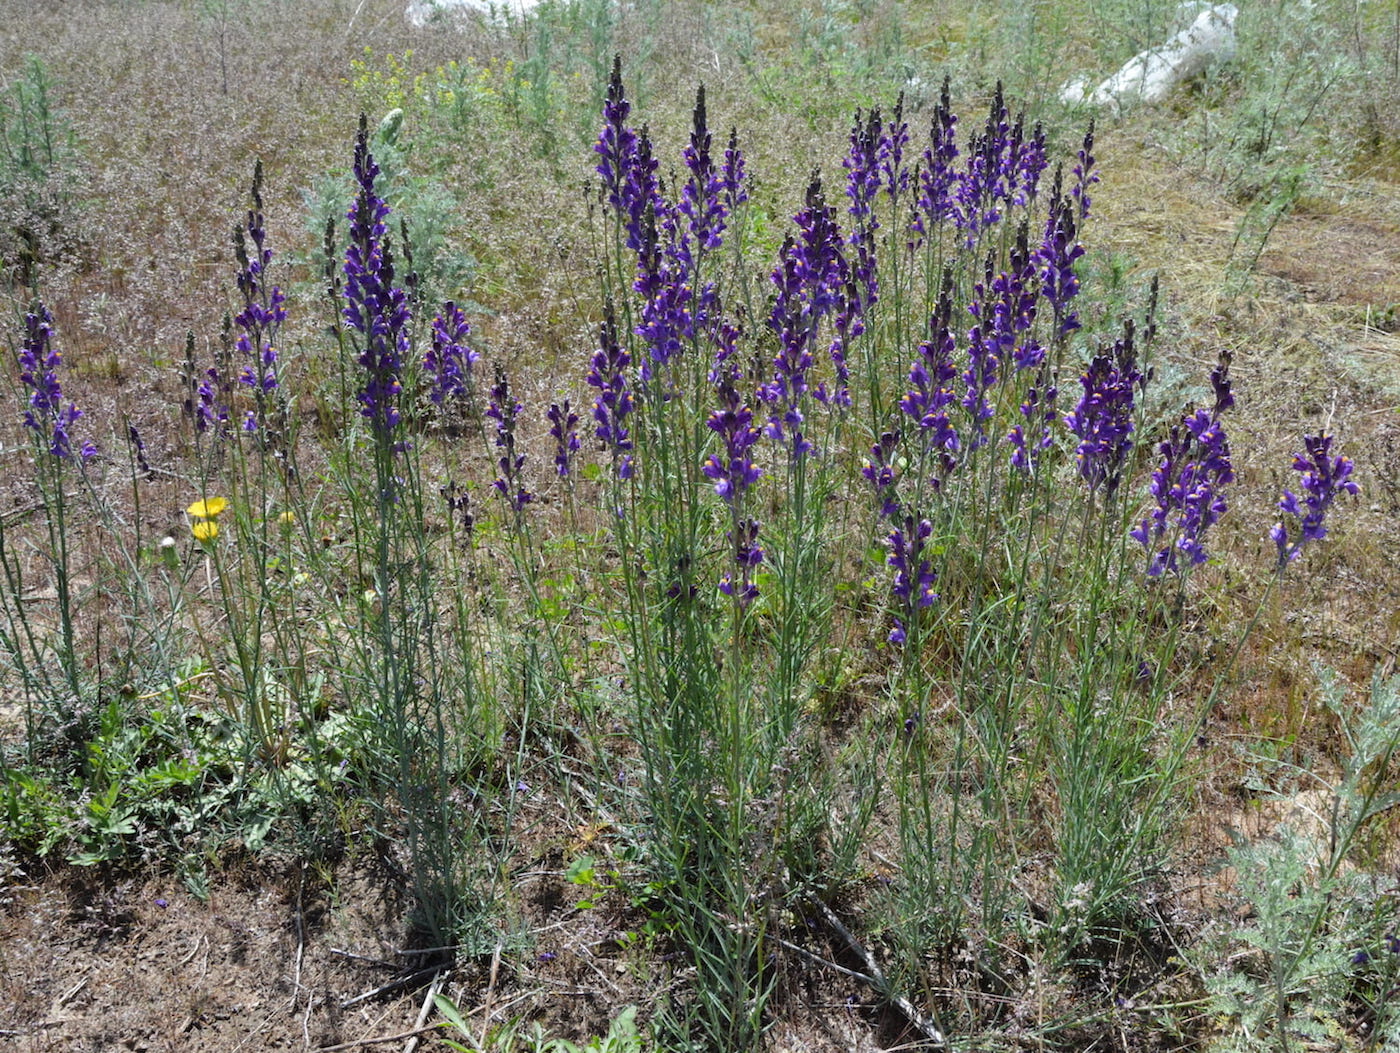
(59, 454)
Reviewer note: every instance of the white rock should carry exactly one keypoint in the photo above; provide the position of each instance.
(423, 13)
(1150, 76)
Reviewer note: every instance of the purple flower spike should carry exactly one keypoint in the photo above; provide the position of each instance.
(504, 410)
(374, 307)
(264, 309)
(748, 554)
(879, 472)
(930, 392)
(617, 145)
(1084, 175)
(1103, 417)
(703, 201)
(614, 402)
(734, 471)
(448, 362)
(563, 428)
(914, 577)
(38, 362)
(1187, 485)
(811, 279)
(1323, 478)
(1059, 250)
(937, 176)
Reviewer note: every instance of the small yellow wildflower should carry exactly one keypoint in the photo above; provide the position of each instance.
(207, 509)
(205, 530)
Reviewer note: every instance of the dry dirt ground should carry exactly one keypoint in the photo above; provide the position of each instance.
(279, 957)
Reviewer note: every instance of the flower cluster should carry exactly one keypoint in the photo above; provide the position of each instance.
(914, 576)
(504, 410)
(878, 470)
(448, 361)
(733, 472)
(264, 309)
(38, 362)
(1324, 476)
(1103, 418)
(374, 306)
(563, 429)
(614, 403)
(930, 392)
(1187, 484)
(811, 279)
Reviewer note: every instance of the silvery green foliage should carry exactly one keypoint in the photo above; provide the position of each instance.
(1318, 955)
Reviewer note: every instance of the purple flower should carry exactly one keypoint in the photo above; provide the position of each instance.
(1084, 174)
(47, 415)
(1103, 418)
(811, 280)
(748, 554)
(264, 308)
(703, 200)
(1059, 250)
(614, 402)
(1187, 485)
(1323, 478)
(448, 362)
(617, 144)
(1038, 407)
(504, 410)
(937, 175)
(374, 307)
(733, 471)
(879, 472)
(914, 576)
(930, 392)
(563, 428)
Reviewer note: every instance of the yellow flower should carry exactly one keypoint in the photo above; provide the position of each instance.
(205, 530)
(207, 509)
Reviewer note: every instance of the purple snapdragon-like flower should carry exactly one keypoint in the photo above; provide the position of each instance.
(864, 178)
(617, 143)
(47, 415)
(1029, 440)
(1324, 476)
(563, 429)
(930, 386)
(1188, 484)
(264, 308)
(504, 410)
(937, 175)
(914, 577)
(1059, 250)
(448, 361)
(703, 200)
(733, 471)
(1084, 175)
(811, 279)
(374, 306)
(614, 402)
(1102, 420)
(748, 555)
(879, 472)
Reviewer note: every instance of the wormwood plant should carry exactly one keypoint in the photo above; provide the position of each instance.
(1319, 956)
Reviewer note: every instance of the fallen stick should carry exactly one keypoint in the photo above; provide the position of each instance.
(877, 980)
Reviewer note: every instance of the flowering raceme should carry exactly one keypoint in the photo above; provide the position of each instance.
(449, 359)
(1103, 418)
(374, 307)
(1323, 478)
(1187, 484)
(38, 362)
(264, 309)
